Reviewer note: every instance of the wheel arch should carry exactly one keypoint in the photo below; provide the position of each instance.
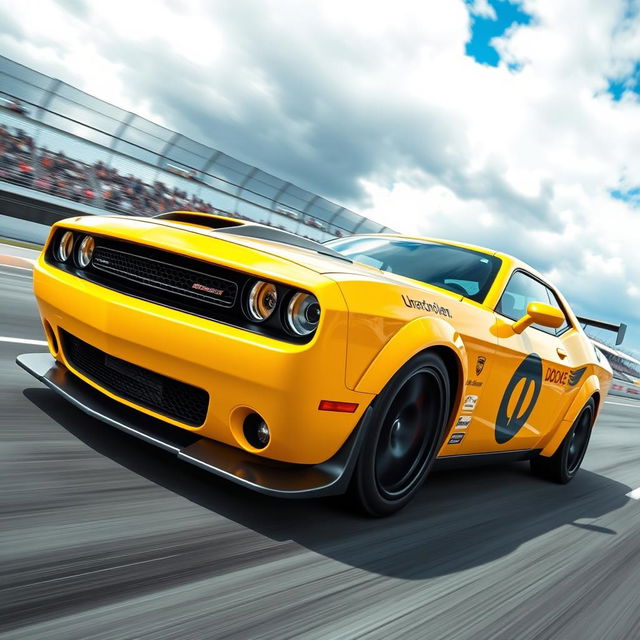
(589, 389)
(597, 398)
(419, 336)
(456, 374)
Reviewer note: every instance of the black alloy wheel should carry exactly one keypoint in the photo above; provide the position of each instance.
(563, 465)
(408, 422)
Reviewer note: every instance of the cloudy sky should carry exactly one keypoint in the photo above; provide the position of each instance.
(511, 125)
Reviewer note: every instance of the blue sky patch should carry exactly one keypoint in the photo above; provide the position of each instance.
(484, 29)
(632, 196)
(630, 82)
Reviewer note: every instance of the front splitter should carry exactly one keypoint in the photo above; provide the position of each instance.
(254, 472)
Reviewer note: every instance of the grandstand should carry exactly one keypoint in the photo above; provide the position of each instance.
(624, 366)
(66, 145)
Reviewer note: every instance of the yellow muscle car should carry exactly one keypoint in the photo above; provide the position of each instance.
(303, 369)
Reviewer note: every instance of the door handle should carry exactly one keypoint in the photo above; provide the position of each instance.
(561, 352)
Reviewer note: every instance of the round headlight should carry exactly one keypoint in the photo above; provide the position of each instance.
(303, 314)
(262, 300)
(64, 246)
(85, 251)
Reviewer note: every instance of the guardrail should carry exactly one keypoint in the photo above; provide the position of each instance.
(56, 114)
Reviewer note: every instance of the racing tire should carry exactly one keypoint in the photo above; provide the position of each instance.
(407, 426)
(563, 465)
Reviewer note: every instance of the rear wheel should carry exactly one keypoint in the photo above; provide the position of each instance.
(563, 465)
(407, 425)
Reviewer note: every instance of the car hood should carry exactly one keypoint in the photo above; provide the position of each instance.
(311, 258)
(308, 254)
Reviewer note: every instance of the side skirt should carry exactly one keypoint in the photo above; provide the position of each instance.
(480, 459)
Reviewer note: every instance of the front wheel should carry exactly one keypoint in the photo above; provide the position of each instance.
(408, 422)
(563, 465)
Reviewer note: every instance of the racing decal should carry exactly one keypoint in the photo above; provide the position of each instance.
(423, 305)
(470, 403)
(463, 422)
(474, 383)
(576, 376)
(480, 364)
(456, 438)
(571, 378)
(513, 415)
(555, 376)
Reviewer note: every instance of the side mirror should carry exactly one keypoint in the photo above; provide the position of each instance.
(539, 313)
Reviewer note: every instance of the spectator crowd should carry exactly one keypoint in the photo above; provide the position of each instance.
(25, 164)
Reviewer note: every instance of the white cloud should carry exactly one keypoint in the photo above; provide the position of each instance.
(483, 9)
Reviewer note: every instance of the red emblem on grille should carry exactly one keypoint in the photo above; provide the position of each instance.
(201, 287)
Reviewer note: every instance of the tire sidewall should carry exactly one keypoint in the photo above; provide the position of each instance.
(564, 452)
(365, 484)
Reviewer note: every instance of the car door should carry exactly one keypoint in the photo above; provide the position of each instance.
(524, 392)
(530, 375)
(475, 415)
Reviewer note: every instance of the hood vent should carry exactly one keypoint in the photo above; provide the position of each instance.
(206, 220)
(262, 232)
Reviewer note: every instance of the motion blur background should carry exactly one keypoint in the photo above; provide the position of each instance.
(509, 124)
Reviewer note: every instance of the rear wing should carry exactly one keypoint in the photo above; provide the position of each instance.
(618, 329)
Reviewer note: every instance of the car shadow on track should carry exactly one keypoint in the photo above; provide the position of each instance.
(461, 519)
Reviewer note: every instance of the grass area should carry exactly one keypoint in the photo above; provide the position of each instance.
(20, 243)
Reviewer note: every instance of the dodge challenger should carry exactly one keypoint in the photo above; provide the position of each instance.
(302, 369)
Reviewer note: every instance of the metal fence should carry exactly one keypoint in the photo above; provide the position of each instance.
(89, 130)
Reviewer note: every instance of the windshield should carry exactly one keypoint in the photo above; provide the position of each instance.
(462, 271)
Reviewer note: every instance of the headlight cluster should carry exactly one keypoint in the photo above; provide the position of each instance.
(80, 247)
(85, 251)
(263, 299)
(303, 314)
(64, 246)
(299, 313)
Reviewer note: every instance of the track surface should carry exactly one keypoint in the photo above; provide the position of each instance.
(105, 537)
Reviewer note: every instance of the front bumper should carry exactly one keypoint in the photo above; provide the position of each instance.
(241, 371)
(254, 472)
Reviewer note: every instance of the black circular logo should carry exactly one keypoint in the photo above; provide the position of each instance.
(530, 370)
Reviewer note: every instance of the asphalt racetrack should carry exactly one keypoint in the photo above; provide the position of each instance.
(103, 536)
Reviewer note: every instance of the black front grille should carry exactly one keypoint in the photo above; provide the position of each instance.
(169, 397)
(165, 275)
(176, 280)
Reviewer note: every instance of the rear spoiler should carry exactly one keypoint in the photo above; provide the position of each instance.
(619, 329)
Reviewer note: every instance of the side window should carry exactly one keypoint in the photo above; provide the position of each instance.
(520, 291)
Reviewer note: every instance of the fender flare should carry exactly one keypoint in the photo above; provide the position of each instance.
(414, 337)
(589, 387)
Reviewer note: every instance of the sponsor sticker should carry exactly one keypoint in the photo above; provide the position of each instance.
(474, 383)
(555, 376)
(470, 403)
(463, 422)
(456, 438)
(424, 305)
(564, 378)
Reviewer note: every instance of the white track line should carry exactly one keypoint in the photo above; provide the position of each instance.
(20, 276)
(635, 494)
(623, 404)
(23, 341)
(15, 266)
(121, 566)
